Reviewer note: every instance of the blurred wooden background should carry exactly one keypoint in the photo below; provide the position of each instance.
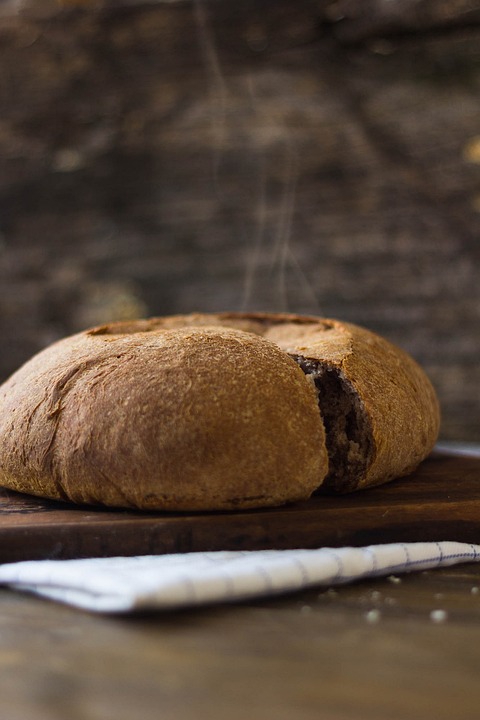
(316, 156)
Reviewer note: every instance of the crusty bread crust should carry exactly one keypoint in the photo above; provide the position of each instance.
(165, 419)
(206, 412)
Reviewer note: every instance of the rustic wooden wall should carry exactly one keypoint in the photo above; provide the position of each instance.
(160, 157)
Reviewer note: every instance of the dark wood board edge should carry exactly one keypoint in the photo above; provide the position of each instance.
(129, 539)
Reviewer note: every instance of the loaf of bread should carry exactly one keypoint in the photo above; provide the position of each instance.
(214, 412)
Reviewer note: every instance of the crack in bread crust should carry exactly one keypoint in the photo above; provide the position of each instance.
(347, 426)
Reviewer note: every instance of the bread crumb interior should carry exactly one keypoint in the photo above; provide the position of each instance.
(347, 427)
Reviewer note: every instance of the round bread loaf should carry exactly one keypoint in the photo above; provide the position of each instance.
(169, 419)
(214, 411)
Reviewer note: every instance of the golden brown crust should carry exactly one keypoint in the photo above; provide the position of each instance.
(172, 419)
(113, 416)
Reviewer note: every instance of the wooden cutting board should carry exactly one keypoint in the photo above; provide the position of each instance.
(440, 501)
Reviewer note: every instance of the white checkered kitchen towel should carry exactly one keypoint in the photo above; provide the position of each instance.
(123, 585)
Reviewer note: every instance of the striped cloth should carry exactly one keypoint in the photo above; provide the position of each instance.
(123, 585)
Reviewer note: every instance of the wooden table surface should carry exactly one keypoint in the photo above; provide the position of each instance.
(319, 654)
